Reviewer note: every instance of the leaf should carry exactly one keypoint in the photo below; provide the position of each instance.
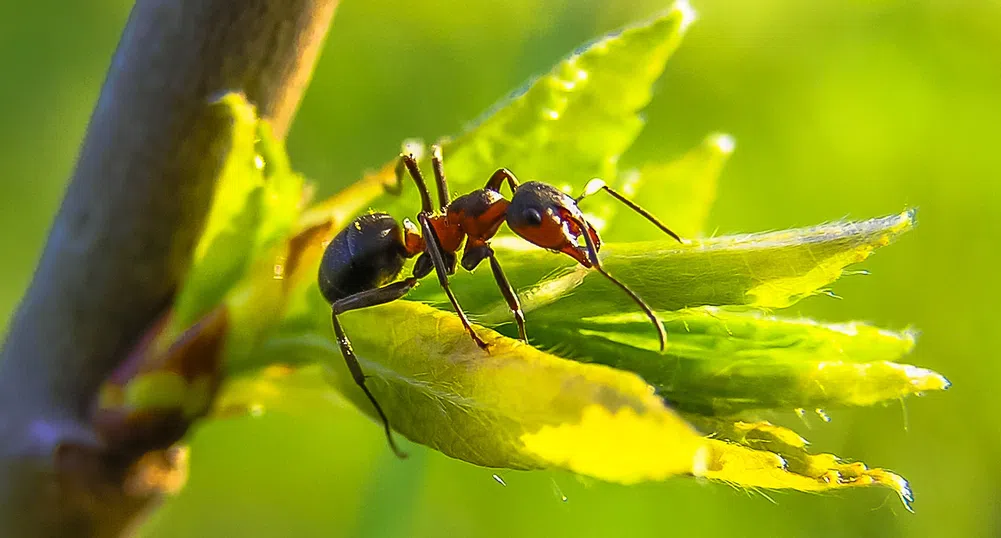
(279, 388)
(255, 205)
(283, 189)
(719, 362)
(225, 247)
(513, 407)
(762, 455)
(239, 260)
(680, 192)
(570, 124)
(769, 270)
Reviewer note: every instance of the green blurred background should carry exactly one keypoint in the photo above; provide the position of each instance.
(839, 109)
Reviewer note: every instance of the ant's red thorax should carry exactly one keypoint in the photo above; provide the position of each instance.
(477, 215)
(450, 237)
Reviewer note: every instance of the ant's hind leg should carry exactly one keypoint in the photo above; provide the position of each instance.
(378, 296)
(359, 378)
(364, 299)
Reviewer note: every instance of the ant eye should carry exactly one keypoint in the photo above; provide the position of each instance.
(532, 217)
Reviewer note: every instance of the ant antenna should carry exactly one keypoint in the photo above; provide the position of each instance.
(592, 252)
(598, 184)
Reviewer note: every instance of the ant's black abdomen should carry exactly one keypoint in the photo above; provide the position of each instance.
(367, 254)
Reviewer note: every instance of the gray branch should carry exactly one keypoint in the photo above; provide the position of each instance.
(124, 235)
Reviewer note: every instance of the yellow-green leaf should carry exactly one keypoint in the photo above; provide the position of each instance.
(762, 455)
(512, 406)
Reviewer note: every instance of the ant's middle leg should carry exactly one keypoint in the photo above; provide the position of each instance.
(472, 258)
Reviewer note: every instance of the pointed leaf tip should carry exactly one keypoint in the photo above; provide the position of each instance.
(687, 13)
(763, 455)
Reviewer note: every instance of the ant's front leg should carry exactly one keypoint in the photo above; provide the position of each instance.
(472, 257)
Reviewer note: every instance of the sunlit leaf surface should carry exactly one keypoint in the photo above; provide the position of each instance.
(513, 406)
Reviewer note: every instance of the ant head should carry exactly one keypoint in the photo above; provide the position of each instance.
(545, 216)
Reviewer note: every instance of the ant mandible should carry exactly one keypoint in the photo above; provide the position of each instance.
(360, 266)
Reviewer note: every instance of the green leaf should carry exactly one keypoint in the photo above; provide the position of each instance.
(570, 124)
(769, 270)
(573, 122)
(239, 258)
(282, 194)
(719, 362)
(226, 246)
(255, 205)
(680, 192)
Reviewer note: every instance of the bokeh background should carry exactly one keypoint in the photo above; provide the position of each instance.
(839, 109)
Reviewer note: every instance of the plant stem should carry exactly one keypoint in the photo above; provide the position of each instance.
(123, 237)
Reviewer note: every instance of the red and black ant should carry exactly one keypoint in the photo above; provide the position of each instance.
(361, 264)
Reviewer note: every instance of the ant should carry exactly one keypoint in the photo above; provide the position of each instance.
(360, 266)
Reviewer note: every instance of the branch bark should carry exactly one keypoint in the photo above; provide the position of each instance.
(124, 235)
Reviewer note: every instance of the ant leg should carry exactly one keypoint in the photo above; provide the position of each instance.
(596, 185)
(434, 251)
(592, 251)
(509, 295)
(439, 177)
(409, 162)
(378, 296)
(410, 147)
(396, 187)
(499, 177)
(472, 257)
(359, 377)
